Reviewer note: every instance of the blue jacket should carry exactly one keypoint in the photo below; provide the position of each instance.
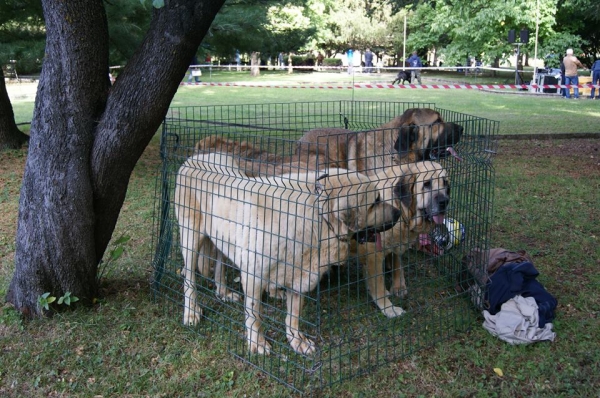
(519, 278)
(414, 61)
(596, 66)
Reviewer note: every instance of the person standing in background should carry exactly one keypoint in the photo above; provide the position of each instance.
(195, 72)
(415, 63)
(595, 77)
(368, 60)
(238, 60)
(563, 91)
(320, 58)
(571, 78)
(350, 60)
(208, 60)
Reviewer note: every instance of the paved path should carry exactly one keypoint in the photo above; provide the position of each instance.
(21, 91)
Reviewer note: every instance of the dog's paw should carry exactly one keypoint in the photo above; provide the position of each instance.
(227, 295)
(261, 347)
(401, 291)
(301, 344)
(191, 316)
(393, 311)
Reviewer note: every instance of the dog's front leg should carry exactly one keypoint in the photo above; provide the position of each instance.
(398, 281)
(191, 310)
(299, 342)
(253, 290)
(376, 282)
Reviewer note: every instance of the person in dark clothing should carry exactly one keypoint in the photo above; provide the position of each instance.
(415, 63)
(368, 61)
(595, 77)
(563, 91)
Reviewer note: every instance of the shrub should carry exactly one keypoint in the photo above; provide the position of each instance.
(301, 60)
(332, 62)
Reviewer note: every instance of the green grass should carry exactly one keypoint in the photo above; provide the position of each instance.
(546, 202)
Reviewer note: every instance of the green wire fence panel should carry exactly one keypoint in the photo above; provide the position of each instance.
(319, 257)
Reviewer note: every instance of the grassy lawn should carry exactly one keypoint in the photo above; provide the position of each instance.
(547, 195)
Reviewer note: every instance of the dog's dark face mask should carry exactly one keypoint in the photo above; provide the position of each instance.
(370, 234)
(389, 213)
(443, 146)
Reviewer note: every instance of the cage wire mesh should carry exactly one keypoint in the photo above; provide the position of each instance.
(324, 316)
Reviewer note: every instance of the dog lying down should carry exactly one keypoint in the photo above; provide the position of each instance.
(273, 229)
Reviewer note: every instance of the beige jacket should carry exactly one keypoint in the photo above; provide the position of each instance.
(571, 64)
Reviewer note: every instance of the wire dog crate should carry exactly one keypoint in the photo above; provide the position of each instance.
(342, 332)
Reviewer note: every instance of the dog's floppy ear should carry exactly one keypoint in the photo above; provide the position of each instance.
(403, 190)
(336, 213)
(408, 134)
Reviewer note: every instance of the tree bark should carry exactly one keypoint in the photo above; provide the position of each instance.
(10, 135)
(86, 138)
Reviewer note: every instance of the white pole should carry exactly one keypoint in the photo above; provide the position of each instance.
(537, 27)
(404, 47)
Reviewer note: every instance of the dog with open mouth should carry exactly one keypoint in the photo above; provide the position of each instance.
(279, 231)
(422, 191)
(418, 134)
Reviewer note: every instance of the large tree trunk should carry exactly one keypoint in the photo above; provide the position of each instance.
(86, 138)
(10, 135)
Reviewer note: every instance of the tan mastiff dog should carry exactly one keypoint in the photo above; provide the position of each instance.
(422, 191)
(280, 231)
(418, 134)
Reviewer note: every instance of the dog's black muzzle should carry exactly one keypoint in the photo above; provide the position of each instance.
(369, 234)
(450, 136)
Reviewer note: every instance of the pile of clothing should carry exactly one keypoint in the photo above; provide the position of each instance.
(516, 306)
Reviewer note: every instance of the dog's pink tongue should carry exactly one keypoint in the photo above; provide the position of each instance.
(378, 241)
(438, 218)
(453, 153)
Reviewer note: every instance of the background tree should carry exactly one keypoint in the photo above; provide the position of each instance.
(356, 24)
(578, 20)
(268, 27)
(461, 29)
(128, 21)
(87, 136)
(22, 34)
